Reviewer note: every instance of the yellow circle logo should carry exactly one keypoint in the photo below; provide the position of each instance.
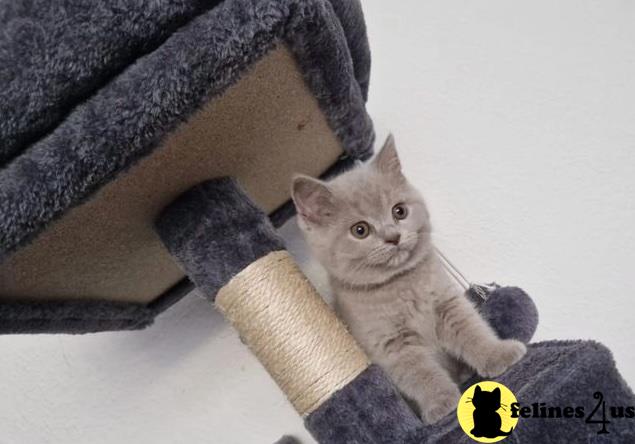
(484, 412)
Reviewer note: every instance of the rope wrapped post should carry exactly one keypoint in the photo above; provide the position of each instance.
(230, 251)
(291, 330)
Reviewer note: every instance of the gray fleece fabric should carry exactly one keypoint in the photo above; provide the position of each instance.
(126, 119)
(55, 54)
(556, 373)
(75, 317)
(214, 231)
(110, 81)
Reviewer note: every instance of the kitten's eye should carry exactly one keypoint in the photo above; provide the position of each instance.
(399, 211)
(360, 230)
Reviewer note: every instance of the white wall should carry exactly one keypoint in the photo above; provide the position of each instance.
(516, 121)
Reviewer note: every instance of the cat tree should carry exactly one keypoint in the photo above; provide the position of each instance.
(156, 151)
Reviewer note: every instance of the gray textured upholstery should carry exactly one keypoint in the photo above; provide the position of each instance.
(87, 91)
(214, 231)
(128, 117)
(55, 54)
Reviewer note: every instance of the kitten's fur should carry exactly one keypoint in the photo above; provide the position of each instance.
(397, 300)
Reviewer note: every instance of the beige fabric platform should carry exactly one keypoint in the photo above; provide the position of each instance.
(106, 249)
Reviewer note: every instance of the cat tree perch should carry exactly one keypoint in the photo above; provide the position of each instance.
(115, 195)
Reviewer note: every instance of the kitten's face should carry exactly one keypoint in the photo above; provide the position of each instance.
(366, 225)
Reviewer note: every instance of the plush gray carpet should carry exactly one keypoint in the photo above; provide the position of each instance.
(88, 90)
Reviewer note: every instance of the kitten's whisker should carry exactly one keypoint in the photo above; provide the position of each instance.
(361, 266)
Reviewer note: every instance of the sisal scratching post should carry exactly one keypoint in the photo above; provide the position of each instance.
(231, 252)
(291, 330)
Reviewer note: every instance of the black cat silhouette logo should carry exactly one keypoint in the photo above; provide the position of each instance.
(484, 414)
(487, 421)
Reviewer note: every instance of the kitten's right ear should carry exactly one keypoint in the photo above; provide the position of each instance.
(477, 389)
(313, 199)
(387, 160)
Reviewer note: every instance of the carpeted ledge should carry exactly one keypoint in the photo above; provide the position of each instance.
(207, 56)
(140, 103)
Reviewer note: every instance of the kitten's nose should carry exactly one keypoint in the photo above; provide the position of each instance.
(393, 239)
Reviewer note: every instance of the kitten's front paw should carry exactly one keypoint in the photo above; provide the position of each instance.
(443, 404)
(505, 354)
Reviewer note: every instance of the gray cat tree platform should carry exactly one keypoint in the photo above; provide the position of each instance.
(99, 132)
(121, 127)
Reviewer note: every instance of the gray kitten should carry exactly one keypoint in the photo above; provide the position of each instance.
(370, 229)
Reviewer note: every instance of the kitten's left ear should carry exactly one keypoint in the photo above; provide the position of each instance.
(387, 160)
(497, 393)
(313, 199)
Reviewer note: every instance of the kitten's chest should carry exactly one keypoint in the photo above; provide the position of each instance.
(410, 306)
(400, 306)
